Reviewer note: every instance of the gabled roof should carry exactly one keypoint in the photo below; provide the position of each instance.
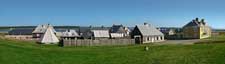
(131, 28)
(147, 30)
(21, 31)
(193, 23)
(70, 33)
(196, 22)
(43, 28)
(117, 29)
(100, 33)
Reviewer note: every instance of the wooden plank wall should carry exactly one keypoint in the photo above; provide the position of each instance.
(103, 42)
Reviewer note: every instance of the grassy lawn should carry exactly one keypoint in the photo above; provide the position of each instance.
(20, 52)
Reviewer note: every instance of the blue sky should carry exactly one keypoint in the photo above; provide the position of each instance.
(164, 13)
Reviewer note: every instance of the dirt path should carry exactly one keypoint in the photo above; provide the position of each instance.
(183, 42)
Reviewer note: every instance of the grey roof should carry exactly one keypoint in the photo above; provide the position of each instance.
(196, 22)
(117, 29)
(131, 28)
(43, 28)
(100, 33)
(21, 31)
(147, 30)
(70, 33)
(86, 32)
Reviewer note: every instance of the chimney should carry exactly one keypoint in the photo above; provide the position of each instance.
(146, 24)
(203, 21)
(197, 19)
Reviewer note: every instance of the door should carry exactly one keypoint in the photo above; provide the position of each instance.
(137, 39)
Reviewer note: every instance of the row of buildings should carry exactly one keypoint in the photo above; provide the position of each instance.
(146, 33)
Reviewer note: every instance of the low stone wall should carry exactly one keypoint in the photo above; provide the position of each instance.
(101, 42)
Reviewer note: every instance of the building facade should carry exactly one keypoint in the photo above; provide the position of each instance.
(146, 34)
(196, 30)
(171, 33)
(20, 34)
(119, 31)
(41, 29)
(70, 34)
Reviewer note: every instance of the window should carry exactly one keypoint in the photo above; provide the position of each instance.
(160, 38)
(148, 38)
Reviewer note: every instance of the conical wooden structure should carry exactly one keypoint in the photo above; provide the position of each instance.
(49, 37)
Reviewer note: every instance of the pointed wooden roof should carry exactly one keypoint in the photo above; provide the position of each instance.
(43, 28)
(49, 37)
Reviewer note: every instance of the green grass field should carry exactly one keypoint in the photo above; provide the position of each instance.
(19, 52)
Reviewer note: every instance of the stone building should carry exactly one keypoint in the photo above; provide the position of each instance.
(196, 29)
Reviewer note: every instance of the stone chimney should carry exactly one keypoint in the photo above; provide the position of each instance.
(196, 19)
(203, 21)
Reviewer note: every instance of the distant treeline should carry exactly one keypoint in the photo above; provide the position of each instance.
(12, 27)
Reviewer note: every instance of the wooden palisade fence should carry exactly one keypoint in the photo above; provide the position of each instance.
(100, 42)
